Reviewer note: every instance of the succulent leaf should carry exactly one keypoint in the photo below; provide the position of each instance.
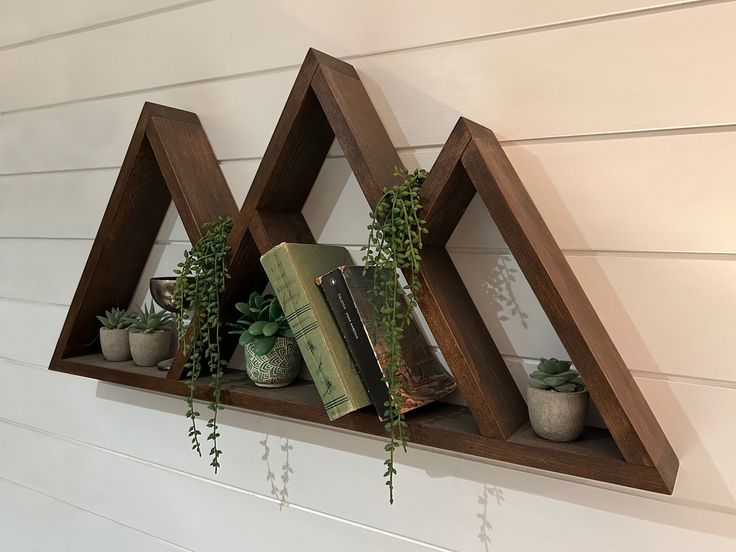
(264, 345)
(556, 375)
(262, 320)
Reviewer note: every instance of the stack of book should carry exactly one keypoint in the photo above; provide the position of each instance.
(328, 305)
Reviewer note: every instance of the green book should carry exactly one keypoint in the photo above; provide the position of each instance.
(292, 269)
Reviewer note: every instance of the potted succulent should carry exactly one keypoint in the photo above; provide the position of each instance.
(114, 334)
(272, 357)
(150, 337)
(557, 401)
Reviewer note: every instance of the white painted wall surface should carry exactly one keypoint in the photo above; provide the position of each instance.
(618, 115)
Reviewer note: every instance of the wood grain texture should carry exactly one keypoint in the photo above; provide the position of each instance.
(612, 388)
(169, 157)
(481, 373)
(328, 101)
(441, 426)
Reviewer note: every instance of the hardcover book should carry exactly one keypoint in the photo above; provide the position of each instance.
(424, 379)
(292, 269)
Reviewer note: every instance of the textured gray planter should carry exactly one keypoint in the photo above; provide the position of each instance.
(557, 416)
(148, 349)
(115, 344)
(278, 367)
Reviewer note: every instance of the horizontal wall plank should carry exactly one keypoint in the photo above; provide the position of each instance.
(30, 330)
(647, 304)
(49, 72)
(653, 193)
(96, 134)
(673, 316)
(425, 478)
(45, 271)
(33, 521)
(47, 205)
(601, 195)
(25, 21)
(420, 93)
(660, 313)
(155, 500)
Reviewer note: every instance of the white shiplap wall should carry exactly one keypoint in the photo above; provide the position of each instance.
(619, 117)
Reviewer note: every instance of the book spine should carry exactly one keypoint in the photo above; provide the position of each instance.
(348, 320)
(290, 287)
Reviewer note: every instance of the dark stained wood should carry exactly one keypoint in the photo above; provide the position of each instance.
(481, 373)
(610, 383)
(272, 228)
(196, 183)
(358, 129)
(169, 156)
(439, 426)
(447, 192)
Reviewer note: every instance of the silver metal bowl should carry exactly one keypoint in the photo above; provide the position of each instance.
(162, 291)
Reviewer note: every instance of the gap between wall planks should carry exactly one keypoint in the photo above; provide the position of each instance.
(170, 154)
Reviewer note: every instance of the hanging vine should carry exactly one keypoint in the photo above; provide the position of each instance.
(394, 244)
(200, 281)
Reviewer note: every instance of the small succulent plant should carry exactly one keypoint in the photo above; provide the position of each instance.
(556, 375)
(151, 320)
(117, 319)
(261, 321)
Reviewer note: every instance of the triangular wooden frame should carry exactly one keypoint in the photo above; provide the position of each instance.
(472, 160)
(328, 101)
(169, 158)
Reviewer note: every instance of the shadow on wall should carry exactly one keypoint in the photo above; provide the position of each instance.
(633, 504)
(489, 492)
(673, 419)
(282, 494)
(498, 286)
(505, 480)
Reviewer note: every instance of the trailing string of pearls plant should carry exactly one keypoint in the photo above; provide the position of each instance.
(200, 281)
(394, 244)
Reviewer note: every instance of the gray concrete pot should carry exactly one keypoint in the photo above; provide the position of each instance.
(276, 368)
(115, 344)
(148, 349)
(557, 416)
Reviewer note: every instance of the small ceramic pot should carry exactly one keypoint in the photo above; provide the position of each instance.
(276, 368)
(148, 349)
(115, 344)
(557, 416)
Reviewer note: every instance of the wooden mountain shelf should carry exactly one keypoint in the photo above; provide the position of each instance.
(170, 157)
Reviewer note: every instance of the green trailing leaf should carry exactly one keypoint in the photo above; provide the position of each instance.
(200, 281)
(394, 245)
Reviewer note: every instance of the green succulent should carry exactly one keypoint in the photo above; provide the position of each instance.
(117, 319)
(556, 375)
(261, 321)
(151, 320)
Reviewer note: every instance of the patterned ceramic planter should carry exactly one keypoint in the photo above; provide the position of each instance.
(278, 367)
